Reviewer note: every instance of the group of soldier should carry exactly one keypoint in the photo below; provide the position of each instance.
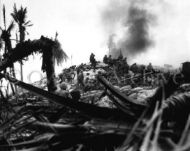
(119, 67)
(134, 73)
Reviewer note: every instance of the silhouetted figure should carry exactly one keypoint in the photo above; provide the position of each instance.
(93, 60)
(105, 59)
(149, 68)
(75, 94)
(80, 78)
(134, 68)
(110, 61)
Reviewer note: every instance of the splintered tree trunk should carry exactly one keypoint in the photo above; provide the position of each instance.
(21, 71)
(8, 48)
(22, 36)
(50, 70)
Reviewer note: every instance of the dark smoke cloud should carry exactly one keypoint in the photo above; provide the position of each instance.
(137, 38)
(135, 20)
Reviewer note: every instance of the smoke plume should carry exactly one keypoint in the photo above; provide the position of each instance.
(127, 25)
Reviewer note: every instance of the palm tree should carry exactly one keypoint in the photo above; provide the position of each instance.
(6, 33)
(51, 51)
(50, 55)
(20, 17)
(5, 36)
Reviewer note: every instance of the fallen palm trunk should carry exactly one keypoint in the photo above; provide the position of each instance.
(87, 109)
(122, 100)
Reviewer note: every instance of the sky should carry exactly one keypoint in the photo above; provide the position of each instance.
(82, 31)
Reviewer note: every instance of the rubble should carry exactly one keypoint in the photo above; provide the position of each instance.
(98, 100)
(102, 100)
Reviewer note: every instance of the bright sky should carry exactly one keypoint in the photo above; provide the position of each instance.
(80, 29)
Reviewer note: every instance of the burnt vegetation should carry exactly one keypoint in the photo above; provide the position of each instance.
(108, 105)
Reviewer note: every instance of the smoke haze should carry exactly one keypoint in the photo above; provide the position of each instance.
(127, 25)
(87, 26)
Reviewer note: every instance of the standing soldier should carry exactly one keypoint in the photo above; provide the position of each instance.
(80, 78)
(93, 60)
(149, 68)
(105, 59)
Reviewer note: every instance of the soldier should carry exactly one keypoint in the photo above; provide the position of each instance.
(134, 68)
(149, 68)
(110, 60)
(93, 60)
(80, 78)
(105, 59)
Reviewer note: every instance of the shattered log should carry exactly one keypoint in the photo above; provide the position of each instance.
(122, 101)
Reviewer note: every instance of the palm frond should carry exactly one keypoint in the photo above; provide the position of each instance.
(14, 14)
(11, 26)
(28, 23)
(58, 53)
(20, 15)
(4, 17)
